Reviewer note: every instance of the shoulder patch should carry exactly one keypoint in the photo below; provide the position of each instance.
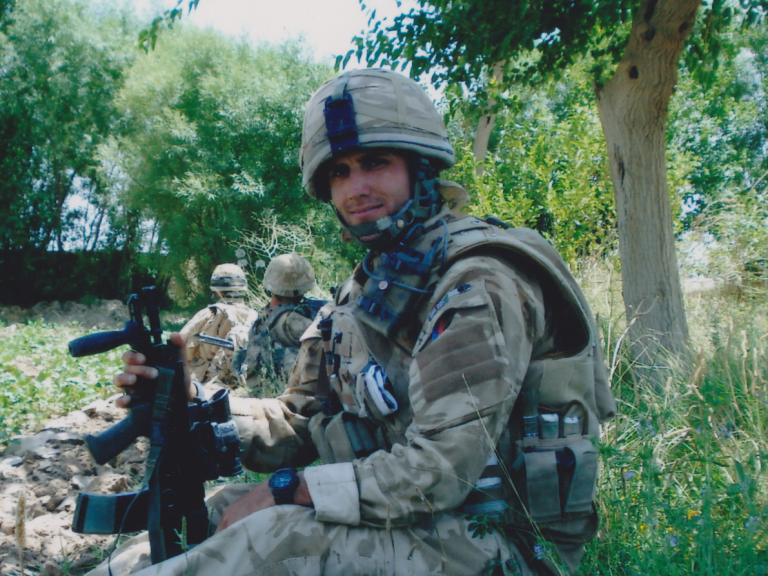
(445, 299)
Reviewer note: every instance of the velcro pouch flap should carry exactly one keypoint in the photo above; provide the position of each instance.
(582, 491)
(337, 438)
(542, 486)
(318, 430)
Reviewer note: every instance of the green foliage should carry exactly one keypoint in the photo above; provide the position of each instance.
(719, 135)
(546, 168)
(40, 380)
(62, 63)
(209, 141)
(148, 36)
(458, 42)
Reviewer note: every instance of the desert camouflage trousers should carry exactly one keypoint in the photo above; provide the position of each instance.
(287, 540)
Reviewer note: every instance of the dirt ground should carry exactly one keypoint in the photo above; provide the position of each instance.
(102, 314)
(51, 467)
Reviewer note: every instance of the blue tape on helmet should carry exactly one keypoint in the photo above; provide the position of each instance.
(340, 123)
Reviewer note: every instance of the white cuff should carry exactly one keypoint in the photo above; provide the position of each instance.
(333, 488)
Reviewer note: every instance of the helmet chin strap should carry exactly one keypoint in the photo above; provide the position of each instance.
(424, 204)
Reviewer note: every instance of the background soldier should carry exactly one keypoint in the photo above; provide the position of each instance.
(208, 362)
(274, 339)
(456, 380)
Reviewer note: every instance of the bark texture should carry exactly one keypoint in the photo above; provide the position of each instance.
(486, 122)
(633, 113)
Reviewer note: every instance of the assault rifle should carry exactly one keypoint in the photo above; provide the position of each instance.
(189, 443)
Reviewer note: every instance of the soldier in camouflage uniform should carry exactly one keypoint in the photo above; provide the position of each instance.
(457, 377)
(208, 362)
(274, 339)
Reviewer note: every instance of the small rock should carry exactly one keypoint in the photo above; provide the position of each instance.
(20, 445)
(11, 462)
(30, 457)
(110, 484)
(7, 526)
(80, 483)
(7, 569)
(53, 503)
(67, 504)
(50, 568)
(96, 407)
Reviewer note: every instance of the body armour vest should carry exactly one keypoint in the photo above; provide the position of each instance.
(545, 467)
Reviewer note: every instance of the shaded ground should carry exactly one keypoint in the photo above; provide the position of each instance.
(102, 314)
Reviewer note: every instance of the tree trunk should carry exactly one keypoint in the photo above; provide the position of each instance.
(633, 113)
(485, 124)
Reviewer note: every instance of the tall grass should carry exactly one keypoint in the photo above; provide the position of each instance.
(683, 487)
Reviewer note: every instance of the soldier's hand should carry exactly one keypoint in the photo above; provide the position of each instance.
(258, 499)
(134, 368)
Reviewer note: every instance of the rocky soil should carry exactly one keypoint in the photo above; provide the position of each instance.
(52, 466)
(49, 469)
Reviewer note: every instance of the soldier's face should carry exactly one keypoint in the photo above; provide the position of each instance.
(368, 185)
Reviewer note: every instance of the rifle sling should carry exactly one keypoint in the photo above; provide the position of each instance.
(151, 480)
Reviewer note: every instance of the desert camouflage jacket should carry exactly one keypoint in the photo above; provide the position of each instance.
(455, 370)
(208, 362)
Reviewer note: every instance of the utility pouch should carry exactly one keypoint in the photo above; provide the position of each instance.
(344, 437)
(556, 478)
(317, 426)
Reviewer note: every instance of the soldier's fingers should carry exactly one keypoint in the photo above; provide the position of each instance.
(178, 339)
(148, 372)
(132, 357)
(123, 401)
(122, 380)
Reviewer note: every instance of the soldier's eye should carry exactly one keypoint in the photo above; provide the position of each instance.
(376, 161)
(338, 171)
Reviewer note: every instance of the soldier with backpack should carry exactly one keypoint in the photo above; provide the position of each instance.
(211, 363)
(274, 339)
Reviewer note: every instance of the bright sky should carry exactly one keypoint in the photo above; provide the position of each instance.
(328, 26)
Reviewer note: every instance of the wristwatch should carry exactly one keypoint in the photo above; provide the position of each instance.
(283, 485)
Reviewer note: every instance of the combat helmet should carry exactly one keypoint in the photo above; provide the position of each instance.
(289, 275)
(229, 280)
(377, 108)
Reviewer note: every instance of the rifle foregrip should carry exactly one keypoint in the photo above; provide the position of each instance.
(105, 446)
(98, 343)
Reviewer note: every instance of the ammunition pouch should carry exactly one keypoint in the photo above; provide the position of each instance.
(555, 478)
(345, 437)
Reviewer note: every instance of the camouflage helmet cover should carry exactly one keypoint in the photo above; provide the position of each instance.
(387, 110)
(229, 278)
(289, 275)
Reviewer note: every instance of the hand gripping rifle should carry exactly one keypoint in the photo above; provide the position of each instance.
(189, 443)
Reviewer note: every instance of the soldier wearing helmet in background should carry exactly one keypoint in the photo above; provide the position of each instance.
(455, 382)
(209, 362)
(274, 339)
